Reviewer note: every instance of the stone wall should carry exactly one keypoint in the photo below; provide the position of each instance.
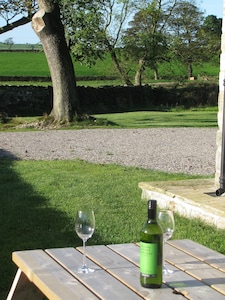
(36, 101)
(25, 100)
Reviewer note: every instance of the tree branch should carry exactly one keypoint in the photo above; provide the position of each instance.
(11, 26)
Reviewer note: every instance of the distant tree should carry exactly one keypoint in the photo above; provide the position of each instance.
(211, 31)
(9, 42)
(146, 40)
(212, 25)
(94, 29)
(187, 42)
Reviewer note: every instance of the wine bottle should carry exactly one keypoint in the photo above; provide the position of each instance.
(151, 247)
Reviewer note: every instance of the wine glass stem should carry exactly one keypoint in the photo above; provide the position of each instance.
(84, 253)
(163, 253)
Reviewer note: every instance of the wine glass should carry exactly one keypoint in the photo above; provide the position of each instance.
(84, 227)
(166, 221)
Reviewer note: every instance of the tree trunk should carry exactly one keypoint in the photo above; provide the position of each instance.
(118, 68)
(155, 69)
(138, 75)
(48, 26)
(190, 70)
(156, 74)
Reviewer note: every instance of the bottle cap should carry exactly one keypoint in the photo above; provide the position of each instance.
(152, 204)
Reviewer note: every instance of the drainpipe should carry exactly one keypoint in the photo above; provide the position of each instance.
(221, 190)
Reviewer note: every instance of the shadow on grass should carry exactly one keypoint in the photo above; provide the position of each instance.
(26, 221)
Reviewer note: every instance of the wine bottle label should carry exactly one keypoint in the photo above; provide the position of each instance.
(148, 259)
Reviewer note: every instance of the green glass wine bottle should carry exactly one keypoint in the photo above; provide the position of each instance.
(151, 247)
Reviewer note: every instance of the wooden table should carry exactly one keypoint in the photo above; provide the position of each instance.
(199, 273)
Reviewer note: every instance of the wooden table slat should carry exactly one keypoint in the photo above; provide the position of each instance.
(99, 254)
(196, 268)
(128, 251)
(209, 256)
(101, 283)
(52, 280)
(205, 291)
(199, 273)
(190, 287)
(126, 272)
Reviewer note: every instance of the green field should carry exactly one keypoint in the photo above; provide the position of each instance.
(23, 64)
(35, 64)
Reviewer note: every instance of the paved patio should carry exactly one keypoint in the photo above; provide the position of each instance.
(193, 198)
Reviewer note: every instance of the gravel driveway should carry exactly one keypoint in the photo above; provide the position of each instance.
(187, 150)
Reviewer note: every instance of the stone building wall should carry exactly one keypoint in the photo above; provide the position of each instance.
(220, 104)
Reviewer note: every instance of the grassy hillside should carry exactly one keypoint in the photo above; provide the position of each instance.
(23, 64)
(35, 64)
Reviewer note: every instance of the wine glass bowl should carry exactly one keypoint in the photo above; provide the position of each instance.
(166, 221)
(84, 227)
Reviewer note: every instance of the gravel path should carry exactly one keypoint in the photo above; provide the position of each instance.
(187, 150)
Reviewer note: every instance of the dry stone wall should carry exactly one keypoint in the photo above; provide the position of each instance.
(36, 101)
(25, 100)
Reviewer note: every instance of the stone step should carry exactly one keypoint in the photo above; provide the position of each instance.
(193, 198)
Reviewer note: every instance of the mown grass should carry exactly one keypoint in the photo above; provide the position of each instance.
(202, 117)
(150, 119)
(39, 200)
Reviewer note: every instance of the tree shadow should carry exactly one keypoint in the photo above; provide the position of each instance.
(7, 154)
(26, 221)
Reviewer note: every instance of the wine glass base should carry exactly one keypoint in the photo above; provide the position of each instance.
(85, 270)
(167, 271)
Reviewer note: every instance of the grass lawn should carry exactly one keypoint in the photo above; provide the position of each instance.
(149, 119)
(39, 200)
(204, 117)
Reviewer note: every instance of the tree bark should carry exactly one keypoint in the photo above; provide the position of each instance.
(190, 70)
(118, 67)
(138, 75)
(48, 26)
(156, 75)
